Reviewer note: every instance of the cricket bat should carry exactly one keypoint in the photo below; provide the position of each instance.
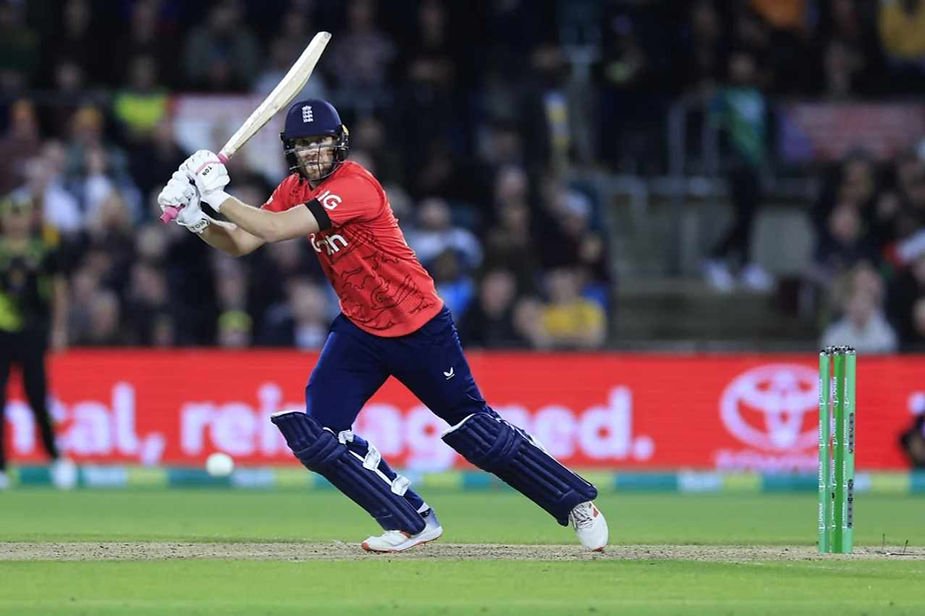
(290, 85)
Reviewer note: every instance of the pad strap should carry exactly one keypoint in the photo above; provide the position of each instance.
(494, 445)
(354, 467)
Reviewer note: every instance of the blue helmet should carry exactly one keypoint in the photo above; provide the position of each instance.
(314, 118)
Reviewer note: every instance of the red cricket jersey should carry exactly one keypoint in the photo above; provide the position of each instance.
(382, 286)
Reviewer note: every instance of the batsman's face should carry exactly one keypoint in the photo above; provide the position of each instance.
(315, 155)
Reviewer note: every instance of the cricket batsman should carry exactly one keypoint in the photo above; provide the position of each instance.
(392, 323)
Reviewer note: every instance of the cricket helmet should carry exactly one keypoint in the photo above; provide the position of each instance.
(314, 118)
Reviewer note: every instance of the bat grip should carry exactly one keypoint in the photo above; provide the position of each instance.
(170, 212)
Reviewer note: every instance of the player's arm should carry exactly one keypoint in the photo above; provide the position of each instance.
(268, 226)
(230, 239)
(211, 177)
(225, 236)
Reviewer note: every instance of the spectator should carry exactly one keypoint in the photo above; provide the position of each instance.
(311, 312)
(904, 294)
(104, 326)
(90, 153)
(45, 183)
(863, 325)
(489, 322)
(147, 35)
(234, 329)
(364, 55)
(368, 134)
(269, 272)
(142, 105)
(19, 49)
(841, 246)
(740, 111)
(223, 54)
(704, 57)
(79, 44)
(511, 245)
(302, 320)
(152, 157)
(429, 98)
(109, 239)
(454, 282)
(146, 304)
(850, 49)
(511, 186)
(902, 32)
(436, 233)
(569, 320)
(577, 245)
(20, 142)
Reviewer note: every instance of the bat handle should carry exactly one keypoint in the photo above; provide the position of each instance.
(224, 157)
(170, 212)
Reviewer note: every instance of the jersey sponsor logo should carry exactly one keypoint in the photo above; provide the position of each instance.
(329, 200)
(307, 115)
(332, 243)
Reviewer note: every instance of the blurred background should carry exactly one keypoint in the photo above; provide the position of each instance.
(574, 174)
(622, 175)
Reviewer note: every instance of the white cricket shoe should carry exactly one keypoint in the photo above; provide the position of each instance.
(590, 526)
(4, 480)
(398, 540)
(64, 474)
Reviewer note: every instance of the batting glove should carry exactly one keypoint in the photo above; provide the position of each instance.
(181, 193)
(177, 192)
(192, 217)
(210, 176)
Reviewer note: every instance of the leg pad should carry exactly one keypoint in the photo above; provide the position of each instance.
(358, 476)
(494, 445)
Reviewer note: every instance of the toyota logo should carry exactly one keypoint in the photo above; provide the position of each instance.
(766, 407)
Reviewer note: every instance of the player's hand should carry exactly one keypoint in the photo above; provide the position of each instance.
(177, 192)
(210, 176)
(192, 217)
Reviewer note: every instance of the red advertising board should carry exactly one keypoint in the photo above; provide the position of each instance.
(731, 412)
(829, 131)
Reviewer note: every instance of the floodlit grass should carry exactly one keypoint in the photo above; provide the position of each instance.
(392, 584)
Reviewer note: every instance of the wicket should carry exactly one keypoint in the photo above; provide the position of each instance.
(837, 372)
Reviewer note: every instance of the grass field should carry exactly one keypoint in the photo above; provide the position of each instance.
(279, 552)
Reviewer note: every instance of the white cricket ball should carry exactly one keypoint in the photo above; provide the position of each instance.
(219, 465)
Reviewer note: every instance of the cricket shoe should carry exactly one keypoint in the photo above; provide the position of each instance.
(399, 540)
(590, 526)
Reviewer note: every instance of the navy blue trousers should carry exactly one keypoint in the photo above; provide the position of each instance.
(354, 364)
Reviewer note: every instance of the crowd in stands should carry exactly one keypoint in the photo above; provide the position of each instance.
(470, 113)
(870, 254)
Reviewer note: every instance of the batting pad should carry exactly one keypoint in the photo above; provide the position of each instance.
(494, 445)
(358, 476)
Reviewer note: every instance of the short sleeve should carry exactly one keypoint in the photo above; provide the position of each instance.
(280, 201)
(350, 198)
